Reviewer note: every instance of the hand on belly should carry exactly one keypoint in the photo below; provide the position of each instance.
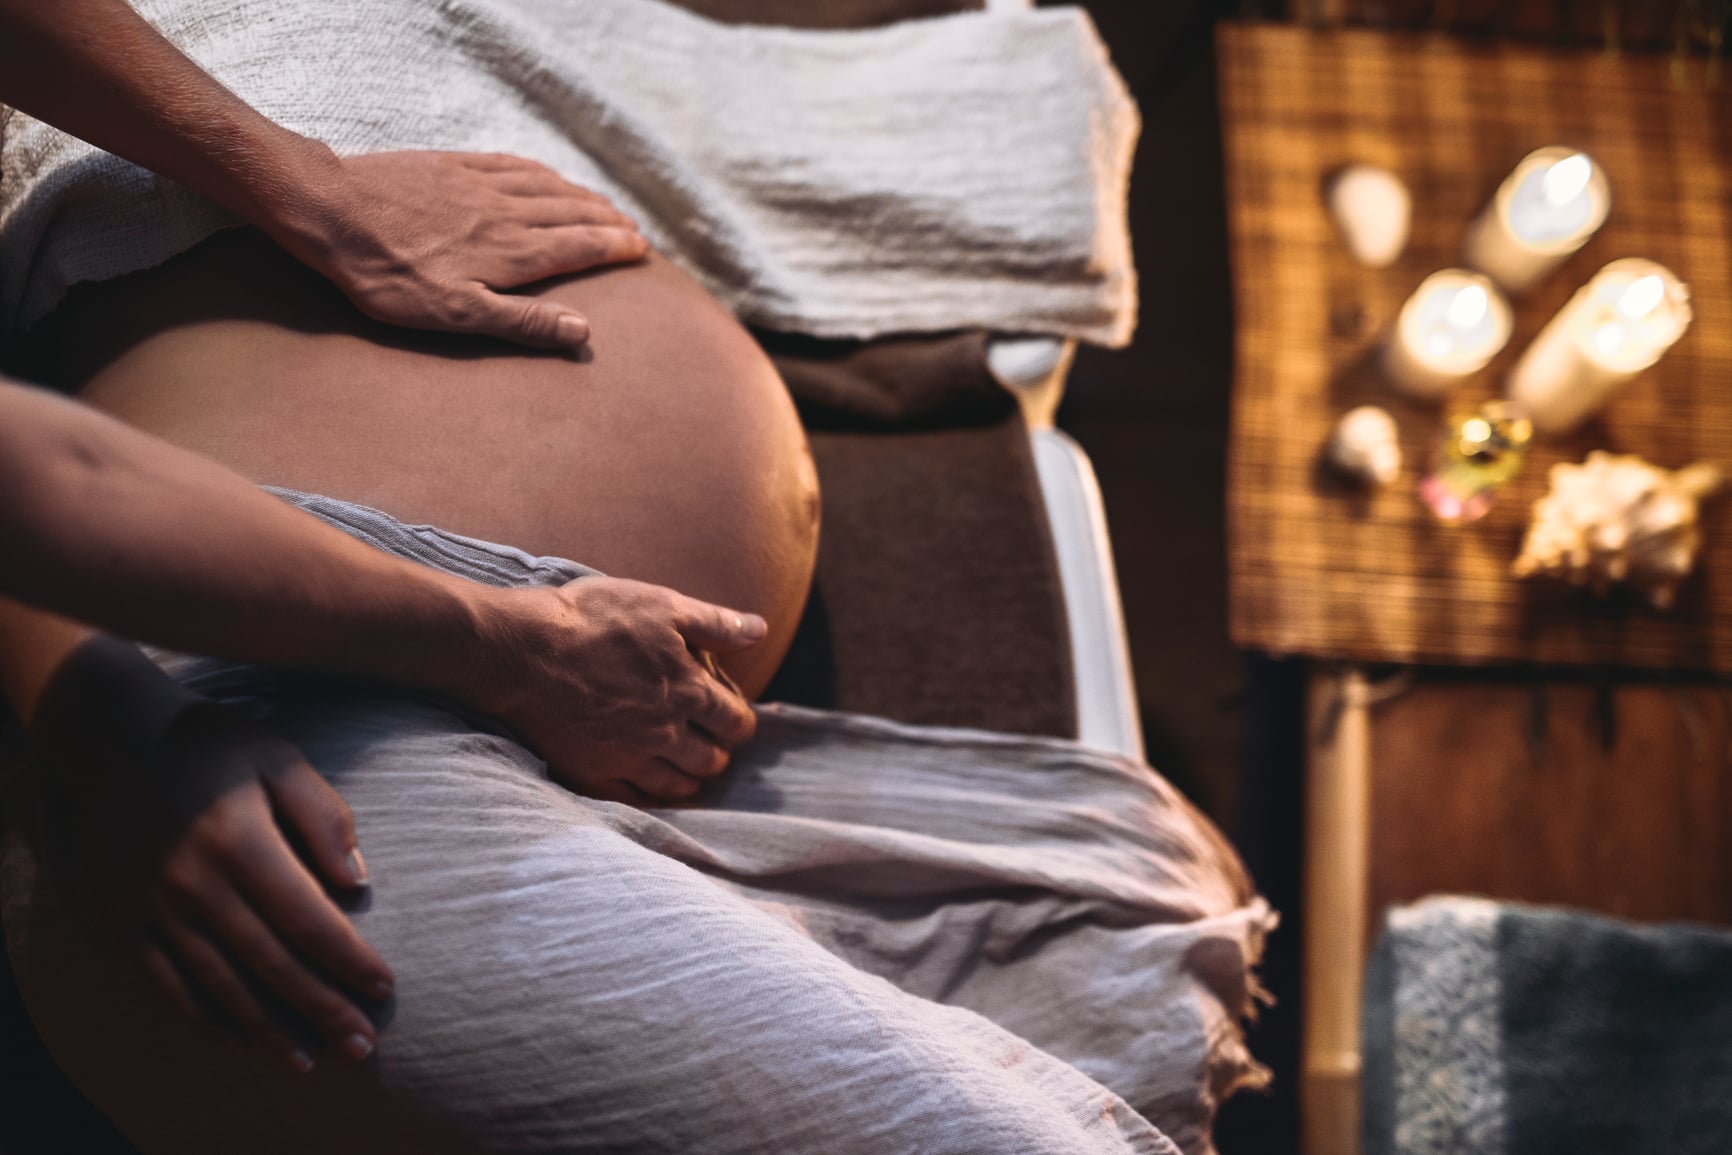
(671, 454)
(604, 679)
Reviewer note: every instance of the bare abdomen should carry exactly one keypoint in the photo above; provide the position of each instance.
(670, 454)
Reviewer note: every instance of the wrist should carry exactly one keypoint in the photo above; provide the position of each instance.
(297, 201)
(109, 679)
(483, 648)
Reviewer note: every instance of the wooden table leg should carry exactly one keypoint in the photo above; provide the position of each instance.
(1337, 840)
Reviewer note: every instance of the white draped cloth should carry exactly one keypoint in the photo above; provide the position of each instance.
(967, 171)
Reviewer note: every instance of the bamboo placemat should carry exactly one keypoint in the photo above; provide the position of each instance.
(1318, 570)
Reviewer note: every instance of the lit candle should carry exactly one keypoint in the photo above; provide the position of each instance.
(1453, 324)
(1547, 209)
(1616, 325)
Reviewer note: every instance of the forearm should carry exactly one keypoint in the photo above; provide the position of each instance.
(107, 525)
(97, 70)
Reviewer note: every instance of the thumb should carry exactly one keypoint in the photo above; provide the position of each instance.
(527, 321)
(310, 806)
(721, 631)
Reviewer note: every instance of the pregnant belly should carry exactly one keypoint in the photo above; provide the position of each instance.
(669, 452)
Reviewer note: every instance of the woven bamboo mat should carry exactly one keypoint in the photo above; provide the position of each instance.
(1322, 571)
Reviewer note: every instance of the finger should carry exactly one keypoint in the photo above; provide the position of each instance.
(573, 202)
(211, 971)
(288, 899)
(723, 714)
(660, 782)
(525, 321)
(514, 173)
(573, 248)
(166, 977)
(311, 807)
(499, 162)
(709, 627)
(544, 207)
(693, 752)
(256, 946)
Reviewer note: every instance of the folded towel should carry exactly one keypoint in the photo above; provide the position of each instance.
(963, 171)
(1493, 1028)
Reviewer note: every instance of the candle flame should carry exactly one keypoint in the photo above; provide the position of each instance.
(1609, 338)
(1468, 308)
(1642, 297)
(1565, 180)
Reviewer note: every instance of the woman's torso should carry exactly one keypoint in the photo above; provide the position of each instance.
(669, 453)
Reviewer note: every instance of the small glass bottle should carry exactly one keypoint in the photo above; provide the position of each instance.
(1479, 452)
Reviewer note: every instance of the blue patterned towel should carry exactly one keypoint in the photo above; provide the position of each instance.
(1494, 1028)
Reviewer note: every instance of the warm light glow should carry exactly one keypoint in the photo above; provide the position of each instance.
(1642, 297)
(1476, 429)
(1468, 308)
(1566, 179)
(1608, 339)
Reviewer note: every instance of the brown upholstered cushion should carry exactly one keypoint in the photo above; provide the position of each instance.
(937, 597)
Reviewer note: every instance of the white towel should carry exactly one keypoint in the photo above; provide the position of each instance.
(965, 171)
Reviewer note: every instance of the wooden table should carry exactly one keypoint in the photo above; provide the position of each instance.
(1319, 571)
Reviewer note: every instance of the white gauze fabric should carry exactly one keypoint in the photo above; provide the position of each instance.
(964, 171)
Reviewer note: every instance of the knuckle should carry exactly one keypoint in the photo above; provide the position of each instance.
(536, 322)
(467, 310)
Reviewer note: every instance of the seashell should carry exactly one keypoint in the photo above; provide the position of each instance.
(1374, 212)
(1365, 445)
(1617, 519)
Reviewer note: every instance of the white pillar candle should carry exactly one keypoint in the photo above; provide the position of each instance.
(1547, 209)
(1453, 324)
(1616, 325)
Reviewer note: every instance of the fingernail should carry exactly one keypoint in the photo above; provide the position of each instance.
(380, 990)
(357, 867)
(571, 330)
(300, 1061)
(357, 1046)
(753, 626)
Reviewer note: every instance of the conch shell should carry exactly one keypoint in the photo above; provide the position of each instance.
(1616, 518)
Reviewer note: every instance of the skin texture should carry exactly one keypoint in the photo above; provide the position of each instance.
(667, 453)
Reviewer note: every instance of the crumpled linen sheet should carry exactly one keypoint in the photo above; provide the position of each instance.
(967, 171)
(866, 937)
